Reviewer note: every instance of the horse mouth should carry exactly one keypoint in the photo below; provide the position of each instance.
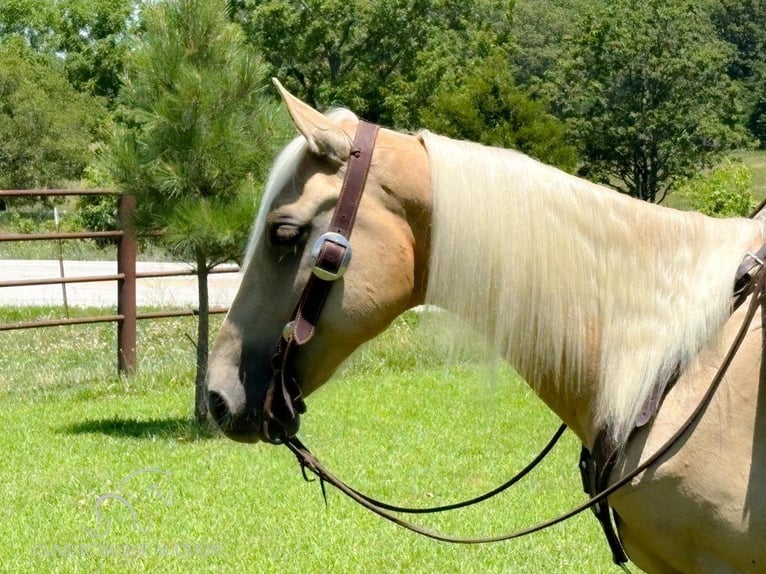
(240, 427)
(250, 426)
(277, 432)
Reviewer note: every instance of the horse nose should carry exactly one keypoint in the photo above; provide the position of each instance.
(230, 420)
(219, 409)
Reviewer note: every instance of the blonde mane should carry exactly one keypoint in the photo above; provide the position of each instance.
(567, 278)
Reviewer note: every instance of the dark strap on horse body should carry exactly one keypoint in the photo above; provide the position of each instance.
(743, 279)
(595, 468)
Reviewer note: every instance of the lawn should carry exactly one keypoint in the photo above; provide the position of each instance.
(109, 474)
(756, 161)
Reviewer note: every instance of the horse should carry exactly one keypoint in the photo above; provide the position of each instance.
(597, 299)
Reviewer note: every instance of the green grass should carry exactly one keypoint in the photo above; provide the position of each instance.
(397, 423)
(756, 161)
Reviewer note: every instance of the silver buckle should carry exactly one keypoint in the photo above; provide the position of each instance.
(337, 239)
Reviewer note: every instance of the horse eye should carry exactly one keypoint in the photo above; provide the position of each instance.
(285, 234)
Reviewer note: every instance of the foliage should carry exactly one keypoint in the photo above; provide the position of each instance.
(538, 28)
(96, 36)
(375, 57)
(723, 192)
(435, 64)
(31, 20)
(484, 105)
(647, 96)
(42, 143)
(741, 23)
(98, 213)
(90, 37)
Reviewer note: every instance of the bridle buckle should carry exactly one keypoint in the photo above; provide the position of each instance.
(315, 257)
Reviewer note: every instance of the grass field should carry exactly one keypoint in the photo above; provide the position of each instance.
(756, 161)
(108, 474)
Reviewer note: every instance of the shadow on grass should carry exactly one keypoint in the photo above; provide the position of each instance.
(178, 428)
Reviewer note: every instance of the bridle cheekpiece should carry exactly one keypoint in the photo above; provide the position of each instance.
(329, 258)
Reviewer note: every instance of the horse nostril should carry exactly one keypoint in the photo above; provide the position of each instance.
(219, 409)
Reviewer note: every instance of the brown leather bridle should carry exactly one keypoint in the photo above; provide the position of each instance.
(329, 259)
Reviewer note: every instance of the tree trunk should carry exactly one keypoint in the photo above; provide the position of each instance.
(203, 333)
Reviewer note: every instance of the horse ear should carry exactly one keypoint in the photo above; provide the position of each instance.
(325, 138)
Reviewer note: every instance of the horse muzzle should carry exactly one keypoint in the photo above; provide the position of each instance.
(237, 424)
(277, 419)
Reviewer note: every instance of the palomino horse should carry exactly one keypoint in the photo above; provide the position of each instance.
(597, 299)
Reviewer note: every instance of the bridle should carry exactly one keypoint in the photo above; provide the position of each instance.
(329, 259)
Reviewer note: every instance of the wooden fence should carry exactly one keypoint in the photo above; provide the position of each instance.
(127, 248)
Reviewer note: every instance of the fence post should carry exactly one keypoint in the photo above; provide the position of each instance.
(126, 287)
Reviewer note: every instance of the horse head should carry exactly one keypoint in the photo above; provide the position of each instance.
(386, 274)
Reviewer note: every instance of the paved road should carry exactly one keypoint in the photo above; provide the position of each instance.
(165, 291)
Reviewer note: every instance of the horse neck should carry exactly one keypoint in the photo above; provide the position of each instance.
(592, 296)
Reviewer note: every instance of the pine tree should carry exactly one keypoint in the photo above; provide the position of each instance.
(193, 140)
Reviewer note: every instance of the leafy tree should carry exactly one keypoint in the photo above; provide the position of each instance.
(742, 23)
(90, 37)
(538, 28)
(647, 96)
(42, 143)
(439, 64)
(195, 137)
(31, 20)
(484, 105)
(723, 192)
(373, 56)
(95, 36)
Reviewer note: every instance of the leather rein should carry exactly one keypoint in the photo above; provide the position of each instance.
(329, 258)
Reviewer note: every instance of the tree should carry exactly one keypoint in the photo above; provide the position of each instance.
(438, 64)
(94, 36)
(741, 23)
(538, 29)
(373, 56)
(89, 37)
(42, 143)
(195, 135)
(647, 96)
(484, 104)
(721, 192)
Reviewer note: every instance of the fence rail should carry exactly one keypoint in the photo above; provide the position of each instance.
(127, 248)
